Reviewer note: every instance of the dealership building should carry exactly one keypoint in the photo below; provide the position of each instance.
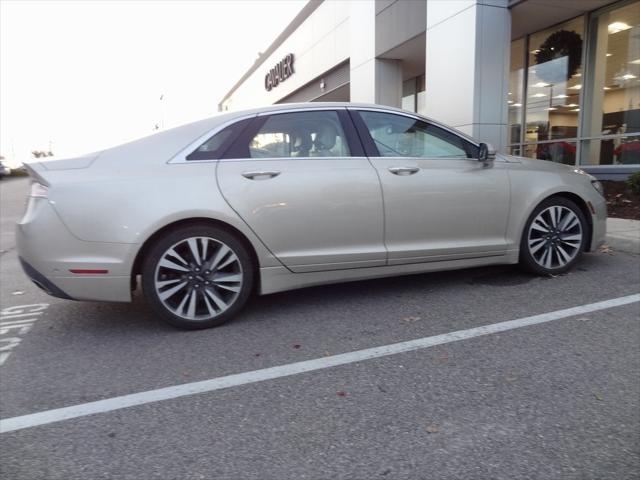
(552, 79)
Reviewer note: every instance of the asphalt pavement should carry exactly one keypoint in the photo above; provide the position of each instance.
(554, 400)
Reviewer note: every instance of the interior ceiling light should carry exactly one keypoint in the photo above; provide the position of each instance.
(540, 85)
(616, 27)
(516, 105)
(537, 50)
(576, 87)
(577, 75)
(509, 102)
(575, 110)
(510, 93)
(606, 88)
(562, 95)
(571, 105)
(628, 76)
(609, 54)
(551, 108)
(538, 95)
(635, 62)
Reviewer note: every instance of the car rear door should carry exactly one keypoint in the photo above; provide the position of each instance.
(439, 202)
(301, 181)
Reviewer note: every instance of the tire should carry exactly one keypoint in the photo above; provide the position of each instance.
(554, 237)
(197, 277)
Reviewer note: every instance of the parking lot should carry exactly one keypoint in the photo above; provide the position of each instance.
(549, 396)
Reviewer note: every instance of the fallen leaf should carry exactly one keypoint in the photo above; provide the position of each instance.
(598, 396)
(296, 346)
(606, 249)
(433, 429)
(411, 319)
(256, 355)
(341, 394)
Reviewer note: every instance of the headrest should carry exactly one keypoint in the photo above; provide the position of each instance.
(302, 142)
(325, 137)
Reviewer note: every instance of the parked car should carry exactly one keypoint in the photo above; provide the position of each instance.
(4, 170)
(289, 196)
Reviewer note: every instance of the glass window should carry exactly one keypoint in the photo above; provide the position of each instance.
(515, 150)
(214, 147)
(612, 106)
(554, 82)
(409, 95)
(413, 95)
(421, 99)
(516, 84)
(400, 136)
(559, 152)
(612, 151)
(300, 134)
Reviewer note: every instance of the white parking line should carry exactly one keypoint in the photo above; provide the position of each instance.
(125, 401)
(22, 325)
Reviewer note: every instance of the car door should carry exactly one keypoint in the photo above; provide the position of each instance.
(440, 202)
(301, 181)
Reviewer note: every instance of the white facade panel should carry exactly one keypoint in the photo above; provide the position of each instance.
(467, 61)
(315, 49)
(450, 67)
(441, 10)
(362, 85)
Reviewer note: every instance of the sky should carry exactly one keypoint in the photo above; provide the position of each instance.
(81, 76)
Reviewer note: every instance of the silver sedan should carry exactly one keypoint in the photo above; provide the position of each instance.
(290, 196)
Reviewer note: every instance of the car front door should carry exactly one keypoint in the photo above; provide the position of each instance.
(440, 202)
(301, 181)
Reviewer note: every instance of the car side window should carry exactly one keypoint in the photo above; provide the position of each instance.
(401, 136)
(215, 146)
(300, 134)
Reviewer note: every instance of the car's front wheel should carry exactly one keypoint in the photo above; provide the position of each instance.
(554, 237)
(197, 276)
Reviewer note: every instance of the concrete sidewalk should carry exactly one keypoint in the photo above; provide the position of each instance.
(623, 235)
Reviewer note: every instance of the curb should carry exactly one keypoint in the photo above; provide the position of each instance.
(623, 235)
(622, 244)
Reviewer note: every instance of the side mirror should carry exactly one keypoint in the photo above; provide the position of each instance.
(486, 152)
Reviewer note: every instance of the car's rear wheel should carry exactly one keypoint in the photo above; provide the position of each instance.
(554, 237)
(197, 276)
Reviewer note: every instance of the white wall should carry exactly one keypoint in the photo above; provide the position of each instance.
(467, 65)
(318, 44)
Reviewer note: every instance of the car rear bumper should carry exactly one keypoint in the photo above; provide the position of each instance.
(52, 257)
(42, 282)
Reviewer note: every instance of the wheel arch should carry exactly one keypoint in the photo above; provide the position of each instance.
(153, 238)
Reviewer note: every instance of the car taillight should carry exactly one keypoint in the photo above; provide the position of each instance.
(38, 190)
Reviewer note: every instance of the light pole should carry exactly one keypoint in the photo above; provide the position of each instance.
(162, 111)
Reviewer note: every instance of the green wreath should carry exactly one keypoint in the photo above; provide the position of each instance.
(562, 43)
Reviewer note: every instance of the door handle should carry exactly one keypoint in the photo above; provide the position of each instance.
(261, 174)
(404, 170)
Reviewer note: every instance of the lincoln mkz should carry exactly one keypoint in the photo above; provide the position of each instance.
(290, 196)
